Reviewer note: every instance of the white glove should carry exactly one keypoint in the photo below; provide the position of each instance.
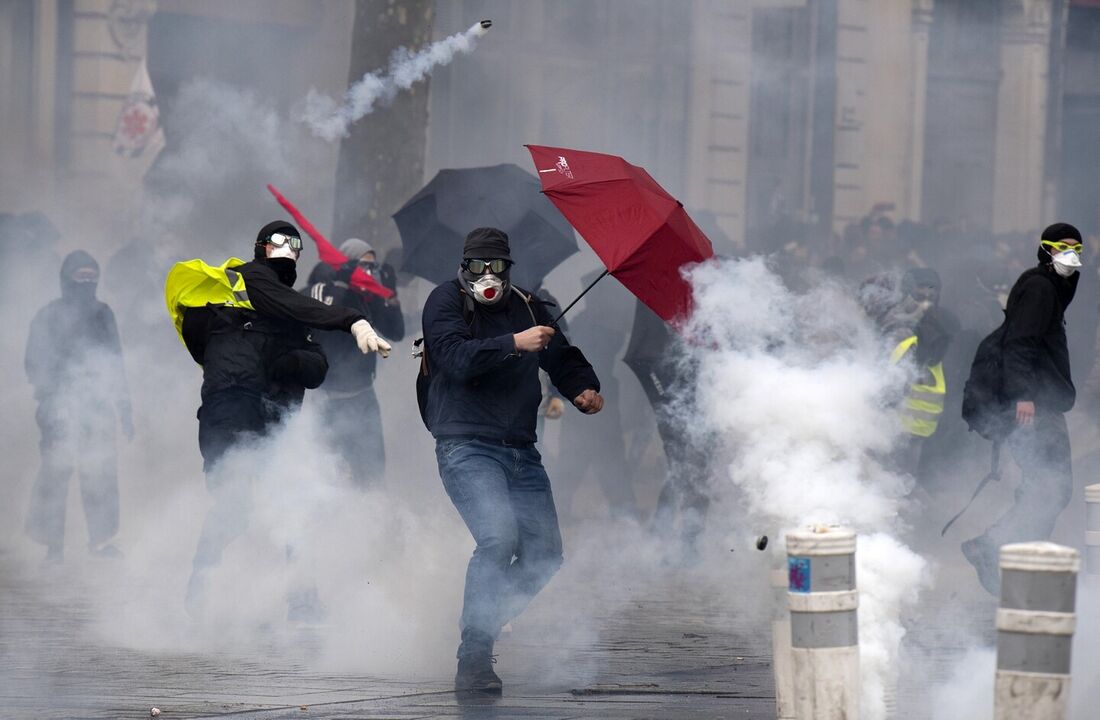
(368, 340)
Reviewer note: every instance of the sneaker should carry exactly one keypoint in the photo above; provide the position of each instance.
(985, 564)
(475, 674)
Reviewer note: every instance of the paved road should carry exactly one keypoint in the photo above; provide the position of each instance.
(660, 652)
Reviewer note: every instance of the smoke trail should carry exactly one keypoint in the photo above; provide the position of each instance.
(330, 121)
(799, 388)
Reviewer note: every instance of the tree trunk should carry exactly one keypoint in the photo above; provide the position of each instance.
(381, 162)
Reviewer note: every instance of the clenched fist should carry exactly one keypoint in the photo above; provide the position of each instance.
(589, 402)
(534, 339)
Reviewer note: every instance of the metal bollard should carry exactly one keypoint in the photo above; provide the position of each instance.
(1035, 625)
(781, 647)
(1092, 530)
(822, 597)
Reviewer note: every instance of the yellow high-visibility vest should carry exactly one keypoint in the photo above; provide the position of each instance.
(920, 414)
(193, 283)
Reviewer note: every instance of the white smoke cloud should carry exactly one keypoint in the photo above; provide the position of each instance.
(330, 121)
(800, 389)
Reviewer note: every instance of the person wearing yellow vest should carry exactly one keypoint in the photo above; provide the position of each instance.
(248, 328)
(908, 313)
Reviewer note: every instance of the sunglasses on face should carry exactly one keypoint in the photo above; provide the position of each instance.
(281, 239)
(1063, 247)
(479, 267)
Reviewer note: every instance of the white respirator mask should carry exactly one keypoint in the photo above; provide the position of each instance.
(488, 289)
(1066, 263)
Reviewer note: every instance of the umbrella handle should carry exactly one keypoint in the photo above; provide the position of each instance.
(554, 324)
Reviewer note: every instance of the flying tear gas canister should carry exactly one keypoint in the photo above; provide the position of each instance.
(823, 599)
(484, 26)
(1035, 625)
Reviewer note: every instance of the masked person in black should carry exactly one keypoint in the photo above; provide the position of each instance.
(257, 364)
(350, 406)
(1039, 388)
(484, 343)
(74, 361)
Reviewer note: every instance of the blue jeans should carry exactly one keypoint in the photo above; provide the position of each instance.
(503, 495)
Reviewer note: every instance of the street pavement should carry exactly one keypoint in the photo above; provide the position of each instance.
(672, 648)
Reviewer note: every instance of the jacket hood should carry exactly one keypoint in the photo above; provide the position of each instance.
(76, 260)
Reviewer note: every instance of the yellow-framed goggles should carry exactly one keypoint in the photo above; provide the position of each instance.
(1060, 247)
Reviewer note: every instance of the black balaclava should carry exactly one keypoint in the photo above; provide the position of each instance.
(922, 284)
(1066, 287)
(1055, 233)
(285, 268)
(79, 288)
(486, 244)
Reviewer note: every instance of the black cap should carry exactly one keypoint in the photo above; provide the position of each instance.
(487, 244)
(1063, 232)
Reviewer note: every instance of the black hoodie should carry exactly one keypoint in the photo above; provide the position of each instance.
(1036, 355)
(73, 349)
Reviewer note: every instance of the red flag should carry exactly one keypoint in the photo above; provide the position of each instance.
(328, 253)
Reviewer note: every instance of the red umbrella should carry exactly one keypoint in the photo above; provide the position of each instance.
(640, 232)
(329, 255)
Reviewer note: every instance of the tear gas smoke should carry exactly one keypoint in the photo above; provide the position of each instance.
(330, 121)
(799, 388)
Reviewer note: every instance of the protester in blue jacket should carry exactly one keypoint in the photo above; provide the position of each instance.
(484, 342)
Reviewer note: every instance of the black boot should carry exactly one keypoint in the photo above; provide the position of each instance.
(475, 664)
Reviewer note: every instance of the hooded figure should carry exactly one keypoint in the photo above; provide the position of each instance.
(352, 417)
(257, 364)
(1037, 381)
(74, 361)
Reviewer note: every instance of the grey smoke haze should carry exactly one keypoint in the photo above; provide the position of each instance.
(388, 564)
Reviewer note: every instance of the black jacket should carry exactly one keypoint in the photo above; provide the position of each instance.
(266, 352)
(349, 370)
(73, 350)
(480, 385)
(1036, 355)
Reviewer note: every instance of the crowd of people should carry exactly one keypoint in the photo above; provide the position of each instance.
(488, 350)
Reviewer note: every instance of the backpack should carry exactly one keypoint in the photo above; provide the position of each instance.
(984, 406)
(420, 348)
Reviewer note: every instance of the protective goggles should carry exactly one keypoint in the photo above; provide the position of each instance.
(1060, 247)
(479, 267)
(281, 239)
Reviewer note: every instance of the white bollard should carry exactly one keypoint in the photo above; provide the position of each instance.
(781, 647)
(1092, 530)
(1035, 625)
(822, 597)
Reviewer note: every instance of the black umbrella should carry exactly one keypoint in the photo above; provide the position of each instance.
(434, 223)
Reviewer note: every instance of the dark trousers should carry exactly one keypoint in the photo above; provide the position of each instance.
(684, 492)
(354, 429)
(228, 421)
(75, 437)
(1042, 452)
(503, 495)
